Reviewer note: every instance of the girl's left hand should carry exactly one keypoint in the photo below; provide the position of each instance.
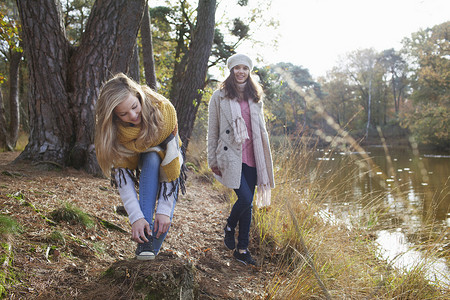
(138, 229)
(162, 224)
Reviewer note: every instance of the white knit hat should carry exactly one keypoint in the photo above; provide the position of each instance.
(239, 59)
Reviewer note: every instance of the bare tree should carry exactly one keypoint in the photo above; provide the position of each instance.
(361, 69)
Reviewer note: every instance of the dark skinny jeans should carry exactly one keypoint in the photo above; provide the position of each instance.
(242, 209)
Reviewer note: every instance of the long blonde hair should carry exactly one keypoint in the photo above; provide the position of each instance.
(112, 93)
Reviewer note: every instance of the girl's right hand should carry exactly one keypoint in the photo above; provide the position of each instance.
(216, 171)
(138, 229)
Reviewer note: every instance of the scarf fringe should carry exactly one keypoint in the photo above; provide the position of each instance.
(134, 175)
(263, 195)
(166, 189)
(240, 129)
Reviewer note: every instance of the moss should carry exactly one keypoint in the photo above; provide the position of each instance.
(99, 247)
(72, 215)
(56, 237)
(110, 272)
(8, 226)
(3, 256)
(192, 166)
(112, 226)
(18, 196)
(2, 284)
(7, 275)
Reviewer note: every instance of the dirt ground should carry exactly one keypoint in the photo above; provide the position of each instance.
(43, 268)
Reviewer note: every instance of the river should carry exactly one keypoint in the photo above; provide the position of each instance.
(404, 196)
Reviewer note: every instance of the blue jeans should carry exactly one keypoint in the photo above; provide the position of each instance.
(242, 209)
(148, 193)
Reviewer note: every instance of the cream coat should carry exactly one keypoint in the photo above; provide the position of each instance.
(223, 151)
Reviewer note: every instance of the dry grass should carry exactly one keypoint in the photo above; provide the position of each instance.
(326, 257)
(343, 254)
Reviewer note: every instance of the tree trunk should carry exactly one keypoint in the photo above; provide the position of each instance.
(394, 93)
(134, 71)
(294, 114)
(10, 134)
(47, 51)
(179, 66)
(106, 48)
(147, 50)
(189, 95)
(369, 109)
(385, 106)
(3, 132)
(14, 115)
(305, 114)
(65, 81)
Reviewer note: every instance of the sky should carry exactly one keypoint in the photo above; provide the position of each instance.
(316, 33)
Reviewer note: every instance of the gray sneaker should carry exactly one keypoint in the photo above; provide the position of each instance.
(145, 250)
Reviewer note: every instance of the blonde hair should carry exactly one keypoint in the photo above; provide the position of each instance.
(113, 92)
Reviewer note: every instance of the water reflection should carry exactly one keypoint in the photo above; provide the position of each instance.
(405, 197)
(398, 251)
(414, 190)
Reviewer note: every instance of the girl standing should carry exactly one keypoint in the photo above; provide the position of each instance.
(136, 141)
(238, 149)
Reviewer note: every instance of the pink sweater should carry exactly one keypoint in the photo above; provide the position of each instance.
(248, 155)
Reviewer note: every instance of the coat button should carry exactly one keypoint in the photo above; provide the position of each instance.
(227, 132)
(225, 148)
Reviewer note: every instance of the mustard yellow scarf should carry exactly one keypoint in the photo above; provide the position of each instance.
(170, 153)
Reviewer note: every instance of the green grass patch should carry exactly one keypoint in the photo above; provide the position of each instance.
(192, 166)
(56, 237)
(72, 215)
(8, 226)
(17, 196)
(7, 275)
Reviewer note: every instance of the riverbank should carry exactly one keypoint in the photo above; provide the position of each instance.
(303, 253)
(391, 135)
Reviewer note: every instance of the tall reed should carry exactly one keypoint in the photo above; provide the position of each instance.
(320, 254)
(339, 251)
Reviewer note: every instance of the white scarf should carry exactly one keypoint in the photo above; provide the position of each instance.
(238, 123)
(263, 193)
